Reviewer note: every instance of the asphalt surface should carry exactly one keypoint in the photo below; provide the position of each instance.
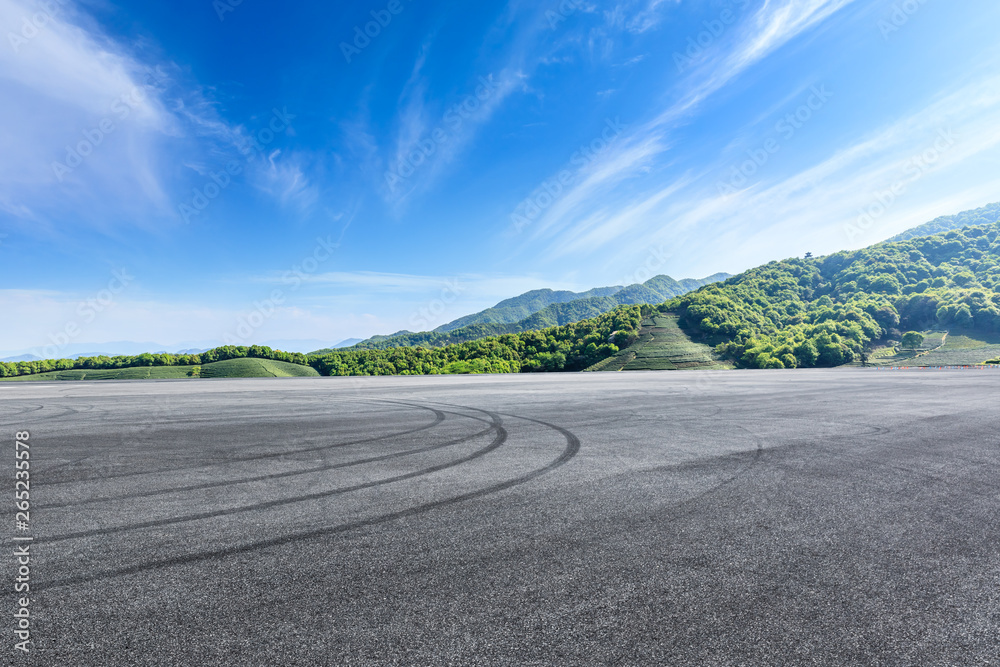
(843, 517)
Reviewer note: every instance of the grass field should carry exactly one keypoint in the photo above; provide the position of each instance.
(960, 348)
(662, 346)
(234, 368)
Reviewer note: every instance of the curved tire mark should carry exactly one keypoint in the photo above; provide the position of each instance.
(497, 442)
(438, 418)
(569, 452)
(279, 475)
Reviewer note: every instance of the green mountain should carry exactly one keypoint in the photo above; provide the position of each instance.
(827, 311)
(986, 215)
(560, 310)
(572, 347)
(824, 311)
(520, 307)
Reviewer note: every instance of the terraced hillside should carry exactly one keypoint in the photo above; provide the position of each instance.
(256, 368)
(958, 348)
(662, 346)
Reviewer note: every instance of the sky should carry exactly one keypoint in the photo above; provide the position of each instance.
(203, 172)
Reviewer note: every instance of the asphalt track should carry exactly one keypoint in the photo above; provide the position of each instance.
(842, 517)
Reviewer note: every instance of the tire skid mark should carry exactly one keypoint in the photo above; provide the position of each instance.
(66, 411)
(569, 452)
(497, 442)
(438, 418)
(279, 475)
(28, 409)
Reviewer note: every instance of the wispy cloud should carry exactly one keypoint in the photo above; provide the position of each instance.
(922, 155)
(643, 146)
(98, 129)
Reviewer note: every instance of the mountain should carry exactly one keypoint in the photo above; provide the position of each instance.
(347, 343)
(827, 311)
(986, 215)
(521, 307)
(561, 310)
(517, 308)
(823, 311)
(23, 357)
(292, 345)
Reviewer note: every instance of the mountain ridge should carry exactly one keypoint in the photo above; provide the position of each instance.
(557, 312)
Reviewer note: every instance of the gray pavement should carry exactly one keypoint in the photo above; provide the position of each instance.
(842, 517)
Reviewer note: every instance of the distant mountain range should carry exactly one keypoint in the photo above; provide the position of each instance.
(537, 309)
(540, 309)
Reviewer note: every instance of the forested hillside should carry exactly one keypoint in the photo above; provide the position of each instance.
(522, 307)
(986, 215)
(826, 311)
(558, 313)
(570, 348)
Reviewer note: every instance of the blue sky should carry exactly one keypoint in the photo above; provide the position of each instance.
(270, 173)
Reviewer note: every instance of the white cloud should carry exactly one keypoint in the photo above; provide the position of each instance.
(930, 156)
(641, 147)
(92, 132)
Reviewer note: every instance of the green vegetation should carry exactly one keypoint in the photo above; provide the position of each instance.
(566, 348)
(962, 348)
(146, 361)
(662, 346)
(825, 311)
(256, 368)
(519, 308)
(234, 368)
(545, 309)
(809, 312)
(139, 373)
(986, 215)
(912, 340)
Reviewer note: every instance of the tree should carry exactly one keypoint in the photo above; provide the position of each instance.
(912, 340)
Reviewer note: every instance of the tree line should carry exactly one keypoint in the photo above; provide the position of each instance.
(19, 368)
